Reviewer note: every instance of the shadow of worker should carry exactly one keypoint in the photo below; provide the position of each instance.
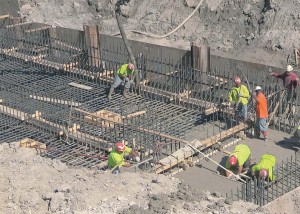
(290, 143)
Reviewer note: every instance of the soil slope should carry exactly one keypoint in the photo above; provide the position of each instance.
(264, 31)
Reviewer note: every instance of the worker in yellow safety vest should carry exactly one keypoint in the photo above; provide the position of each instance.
(124, 75)
(265, 168)
(116, 157)
(240, 158)
(239, 96)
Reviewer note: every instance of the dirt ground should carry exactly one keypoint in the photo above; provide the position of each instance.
(262, 31)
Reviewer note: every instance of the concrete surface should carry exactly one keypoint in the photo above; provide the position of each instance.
(204, 174)
(10, 7)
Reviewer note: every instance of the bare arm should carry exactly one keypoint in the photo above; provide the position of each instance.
(133, 153)
(240, 169)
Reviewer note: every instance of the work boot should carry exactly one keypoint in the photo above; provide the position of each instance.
(111, 91)
(125, 92)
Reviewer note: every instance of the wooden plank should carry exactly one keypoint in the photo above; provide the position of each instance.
(185, 152)
(54, 100)
(85, 87)
(128, 116)
(4, 16)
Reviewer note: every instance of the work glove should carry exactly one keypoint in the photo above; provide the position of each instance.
(137, 159)
(126, 79)
(131, 81)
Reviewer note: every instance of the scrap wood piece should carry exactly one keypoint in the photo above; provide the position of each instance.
(185, 152)
(216, 108)
(4, 16)
(85, 87)
(30, 143)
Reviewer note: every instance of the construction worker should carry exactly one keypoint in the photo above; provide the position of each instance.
(240, 158)
(290, 82)
(265, 168)
(261, 112)
(124, 75)
(116, 157)
(238, 96)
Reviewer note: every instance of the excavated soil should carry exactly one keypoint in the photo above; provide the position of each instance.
(30, 183)
(263, 31)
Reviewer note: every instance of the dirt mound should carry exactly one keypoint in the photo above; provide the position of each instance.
(30, 183)
(249, 29)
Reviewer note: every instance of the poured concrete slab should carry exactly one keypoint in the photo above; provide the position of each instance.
(204, 174)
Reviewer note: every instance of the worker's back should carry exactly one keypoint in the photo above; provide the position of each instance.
(242, 151)
(266, 162)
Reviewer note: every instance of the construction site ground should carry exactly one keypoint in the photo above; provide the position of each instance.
(204, 174)
(258, 31)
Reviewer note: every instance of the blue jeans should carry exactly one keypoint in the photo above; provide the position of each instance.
(261, 124)
(242, 111)
(118, 80)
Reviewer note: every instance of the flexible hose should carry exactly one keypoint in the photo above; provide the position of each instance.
(168, 34)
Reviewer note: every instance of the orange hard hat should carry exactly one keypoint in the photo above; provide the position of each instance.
(232, 160)
(237, 80)
(120, 147)
(130, 66)
(263, 173)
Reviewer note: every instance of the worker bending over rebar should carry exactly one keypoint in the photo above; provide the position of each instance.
(265, 168)
(124, 76)
(240, 158)
(116, 157)
(238, 97)
(261, 112)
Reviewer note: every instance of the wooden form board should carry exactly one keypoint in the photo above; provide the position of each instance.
(185, 152)
(200, 58)
(92, 41)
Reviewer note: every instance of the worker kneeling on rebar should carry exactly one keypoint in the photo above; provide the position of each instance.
(265, 168)
(240, 158)
(116, 157)
(124, 75)
(239, 96)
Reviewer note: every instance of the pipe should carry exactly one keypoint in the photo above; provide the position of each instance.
(171, 32)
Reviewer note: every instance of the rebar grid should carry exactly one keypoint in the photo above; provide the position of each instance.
(172, 92)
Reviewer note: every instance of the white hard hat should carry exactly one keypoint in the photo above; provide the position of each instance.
(289, 68)
(257, 88)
